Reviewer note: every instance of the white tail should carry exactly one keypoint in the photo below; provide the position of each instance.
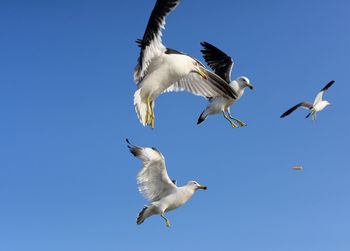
(140, 107)
(203, 116)
(146, 212)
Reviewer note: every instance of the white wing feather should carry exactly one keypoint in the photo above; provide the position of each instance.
(153, 180)
(194, 84)
(319, 95)
(212, 86)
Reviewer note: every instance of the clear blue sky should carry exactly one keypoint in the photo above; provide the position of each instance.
(67, 181)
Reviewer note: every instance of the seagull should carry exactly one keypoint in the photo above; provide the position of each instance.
(159, 68)
(156, 186)
(222, 64)
(314, 108)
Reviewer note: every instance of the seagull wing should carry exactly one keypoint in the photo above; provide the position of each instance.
(219, 61)
(151, 43)
(320, 94)
(153, 180)
(209, 87)
(305, 105)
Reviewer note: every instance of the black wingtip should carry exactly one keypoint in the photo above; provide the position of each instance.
(139, 43)
(201, 118)
(130, 145)
(330, 83)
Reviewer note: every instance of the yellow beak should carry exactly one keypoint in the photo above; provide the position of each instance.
(202, 187)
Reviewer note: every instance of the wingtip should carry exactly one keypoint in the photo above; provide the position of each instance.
(130, 145)
(201, 118)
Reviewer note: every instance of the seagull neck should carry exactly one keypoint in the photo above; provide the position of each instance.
(237, 87)
(188, 189)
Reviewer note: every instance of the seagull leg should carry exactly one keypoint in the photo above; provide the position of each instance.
(313, 116)
(152, 116)
(241, 123)
(167, 222)
(228, 119)
(149, 111)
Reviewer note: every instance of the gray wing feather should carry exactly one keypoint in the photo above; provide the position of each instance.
(153, 180)
(212, 86)
(302, 104)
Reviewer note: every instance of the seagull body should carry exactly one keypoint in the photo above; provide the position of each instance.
(318, 105)
(222, 64)
(162, 69)
(155, 184)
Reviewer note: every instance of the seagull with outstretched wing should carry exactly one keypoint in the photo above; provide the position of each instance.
(318, 105)
(222, 65)
(155, 185)
(159, 68)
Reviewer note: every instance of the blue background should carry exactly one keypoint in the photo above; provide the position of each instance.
(67, 180)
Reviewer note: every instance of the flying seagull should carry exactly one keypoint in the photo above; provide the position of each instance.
(222, 64)
(159, 68)
(155, 184)
(314, 108)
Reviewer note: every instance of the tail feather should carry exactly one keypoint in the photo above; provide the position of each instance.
(140, 107)
(308, 115)
(202, 117)
(145, 213)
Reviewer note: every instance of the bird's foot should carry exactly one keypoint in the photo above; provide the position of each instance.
(152, 121)
(167, 223)
(241, 123)
(234, 125)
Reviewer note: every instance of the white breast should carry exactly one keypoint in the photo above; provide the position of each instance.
(320, 106)
(163, 72)
(177, 199)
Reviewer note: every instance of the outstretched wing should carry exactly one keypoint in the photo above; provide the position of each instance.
(219, 61)
(153, 180)
(320, 94)
(302, 104)
(151, 43)
(209, 87)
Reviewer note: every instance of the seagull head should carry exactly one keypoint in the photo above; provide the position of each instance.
(244, 82)
(327, 103)
(195, 185)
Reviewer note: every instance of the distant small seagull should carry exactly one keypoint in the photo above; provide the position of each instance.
(159, 68)
(314, 108)
(297, 168)
(155, 184)
(222, 64)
